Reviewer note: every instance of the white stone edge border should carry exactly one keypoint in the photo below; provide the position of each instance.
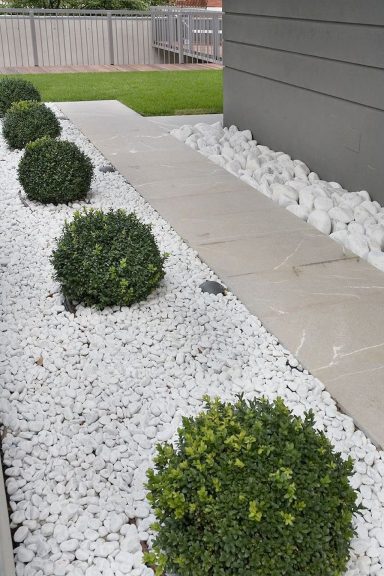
(7, 564)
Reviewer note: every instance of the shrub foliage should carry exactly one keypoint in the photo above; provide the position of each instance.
(27, 121)
(14, 90)
(251, 490)
(87, 4)
(105, 259)
(55, 171)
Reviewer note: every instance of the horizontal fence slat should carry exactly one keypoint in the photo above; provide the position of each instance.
(339, 79)
(357, 44)
(349, 11)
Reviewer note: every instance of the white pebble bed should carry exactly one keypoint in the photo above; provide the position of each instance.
(86, 397)
(350, 218)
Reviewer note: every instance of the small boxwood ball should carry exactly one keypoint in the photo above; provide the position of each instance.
(249, 489)
(55, 171)
(107, 258)
(15, 90)
(27, 121)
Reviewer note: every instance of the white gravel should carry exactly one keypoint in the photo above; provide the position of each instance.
(350, 218)
(85, 398)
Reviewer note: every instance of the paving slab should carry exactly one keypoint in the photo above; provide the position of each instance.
(328, 320)
(323, 303)
(178, 187)
(264, 255)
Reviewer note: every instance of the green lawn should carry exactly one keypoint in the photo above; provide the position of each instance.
(149, 93)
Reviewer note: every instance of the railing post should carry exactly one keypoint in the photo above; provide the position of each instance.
(169, 29)
(190, 31)
(180, 35)
(33, 38)
(154, 31)
(215, 34)
(110, 40)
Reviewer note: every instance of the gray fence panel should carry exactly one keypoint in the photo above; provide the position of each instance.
(64, 39)
(88, 38)
(312, 88)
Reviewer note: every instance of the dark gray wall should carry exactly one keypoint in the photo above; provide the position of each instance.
(307, 77)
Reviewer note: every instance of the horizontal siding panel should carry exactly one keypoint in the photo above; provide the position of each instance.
(343, 80)
(348, 43)
(340, 140)
(353, 11)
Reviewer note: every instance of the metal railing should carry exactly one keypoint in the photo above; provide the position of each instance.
(193, 34)
(43, 37)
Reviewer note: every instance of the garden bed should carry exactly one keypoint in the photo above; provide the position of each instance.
(87, 395)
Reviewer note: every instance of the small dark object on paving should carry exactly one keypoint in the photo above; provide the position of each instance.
(212, 287)
(23, 200)
(295, 366)
(69, 306)
(107, 168)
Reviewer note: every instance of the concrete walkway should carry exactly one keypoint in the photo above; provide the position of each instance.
(324, 305)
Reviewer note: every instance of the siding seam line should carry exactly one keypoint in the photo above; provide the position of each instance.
(344, 22)
(303, 54)
(303, 88)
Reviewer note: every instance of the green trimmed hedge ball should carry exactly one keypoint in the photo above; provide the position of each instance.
(249, 489)
(15, 90)
(27, 121)
(107, 258)
(55, 171)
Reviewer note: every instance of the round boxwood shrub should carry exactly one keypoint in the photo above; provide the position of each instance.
(55, 171)
(107, 258)
(14, 90)
(251, 490)
(27, 121)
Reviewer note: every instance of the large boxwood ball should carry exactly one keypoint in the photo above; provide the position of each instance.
(107, 258)
(14, 90)
(55, 171)
(251, 490)
(27, 121)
